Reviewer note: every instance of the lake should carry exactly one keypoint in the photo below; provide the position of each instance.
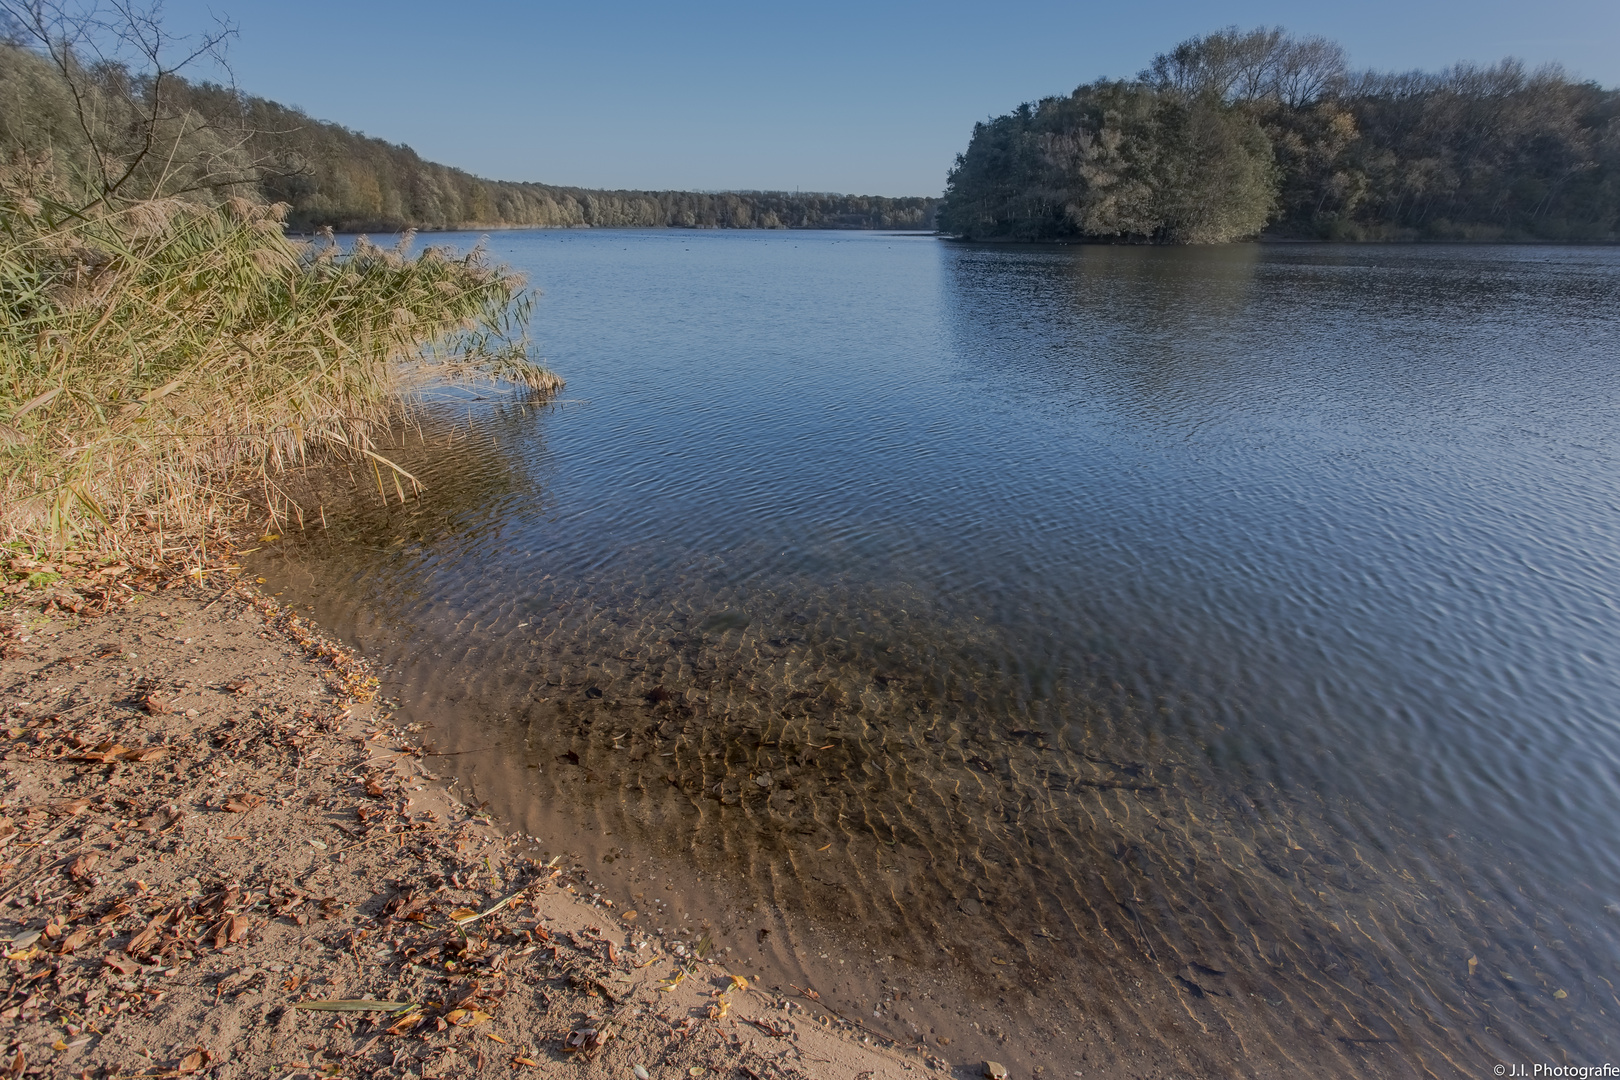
(1177, 661)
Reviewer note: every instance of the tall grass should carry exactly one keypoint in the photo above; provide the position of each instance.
(161, 360)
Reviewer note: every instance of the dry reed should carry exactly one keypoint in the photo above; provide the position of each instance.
(159, 360)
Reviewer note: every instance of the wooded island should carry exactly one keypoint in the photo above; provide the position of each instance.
(1241, 134)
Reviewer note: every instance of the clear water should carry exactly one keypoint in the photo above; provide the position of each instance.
(1201, 661)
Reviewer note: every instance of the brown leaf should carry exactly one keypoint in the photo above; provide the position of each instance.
(74, 941)
(241, 802)
(157, 704)
(374, 789)
(122, 965)
(80, 868)
(144, 941)
(405, 1023)
(18, 1064)
(239, 927)
(69, 807)
(220, 902)
(119, 910)
(102, 754)
(194, 1062)
(144, 754)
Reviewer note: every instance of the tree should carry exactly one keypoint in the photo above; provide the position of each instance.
(116, 117)
(1114, 160)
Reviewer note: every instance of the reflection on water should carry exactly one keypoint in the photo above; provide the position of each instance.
(1199, 661)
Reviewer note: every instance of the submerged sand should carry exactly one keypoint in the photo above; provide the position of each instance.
(211, 834)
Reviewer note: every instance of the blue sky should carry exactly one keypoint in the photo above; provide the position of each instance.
(874, 98)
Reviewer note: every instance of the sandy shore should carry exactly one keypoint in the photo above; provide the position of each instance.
(211, 834)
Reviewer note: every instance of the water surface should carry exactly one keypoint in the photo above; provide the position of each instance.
(1197, 661)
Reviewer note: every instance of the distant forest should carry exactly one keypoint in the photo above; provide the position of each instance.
(1238, 134)
(217, 142)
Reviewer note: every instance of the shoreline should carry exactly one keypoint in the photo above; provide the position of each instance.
(208, 821)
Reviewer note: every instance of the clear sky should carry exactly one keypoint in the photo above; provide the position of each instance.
(870, 98)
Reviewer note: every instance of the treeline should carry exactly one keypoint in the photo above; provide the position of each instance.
(1238, 134)
(214, 142)
(332, 176)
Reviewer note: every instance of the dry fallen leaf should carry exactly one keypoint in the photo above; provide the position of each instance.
(157, 704)
(102, 754)
(142, 942)
(228, 930)
(194, 1062)
(241, 802)
(122, 965)
(525, 1061)
(74, 940)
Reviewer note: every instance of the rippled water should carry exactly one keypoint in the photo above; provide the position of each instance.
(1195, 662)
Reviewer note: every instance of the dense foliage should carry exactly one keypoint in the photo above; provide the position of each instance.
(219, 141)
(1237, 133)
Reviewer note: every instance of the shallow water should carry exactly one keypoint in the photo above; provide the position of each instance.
(1177, 659)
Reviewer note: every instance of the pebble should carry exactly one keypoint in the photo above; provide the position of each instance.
(970, 906)
(641, 1072)
(995, 1070)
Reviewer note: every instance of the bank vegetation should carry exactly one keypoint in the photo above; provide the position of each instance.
(167, 351)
